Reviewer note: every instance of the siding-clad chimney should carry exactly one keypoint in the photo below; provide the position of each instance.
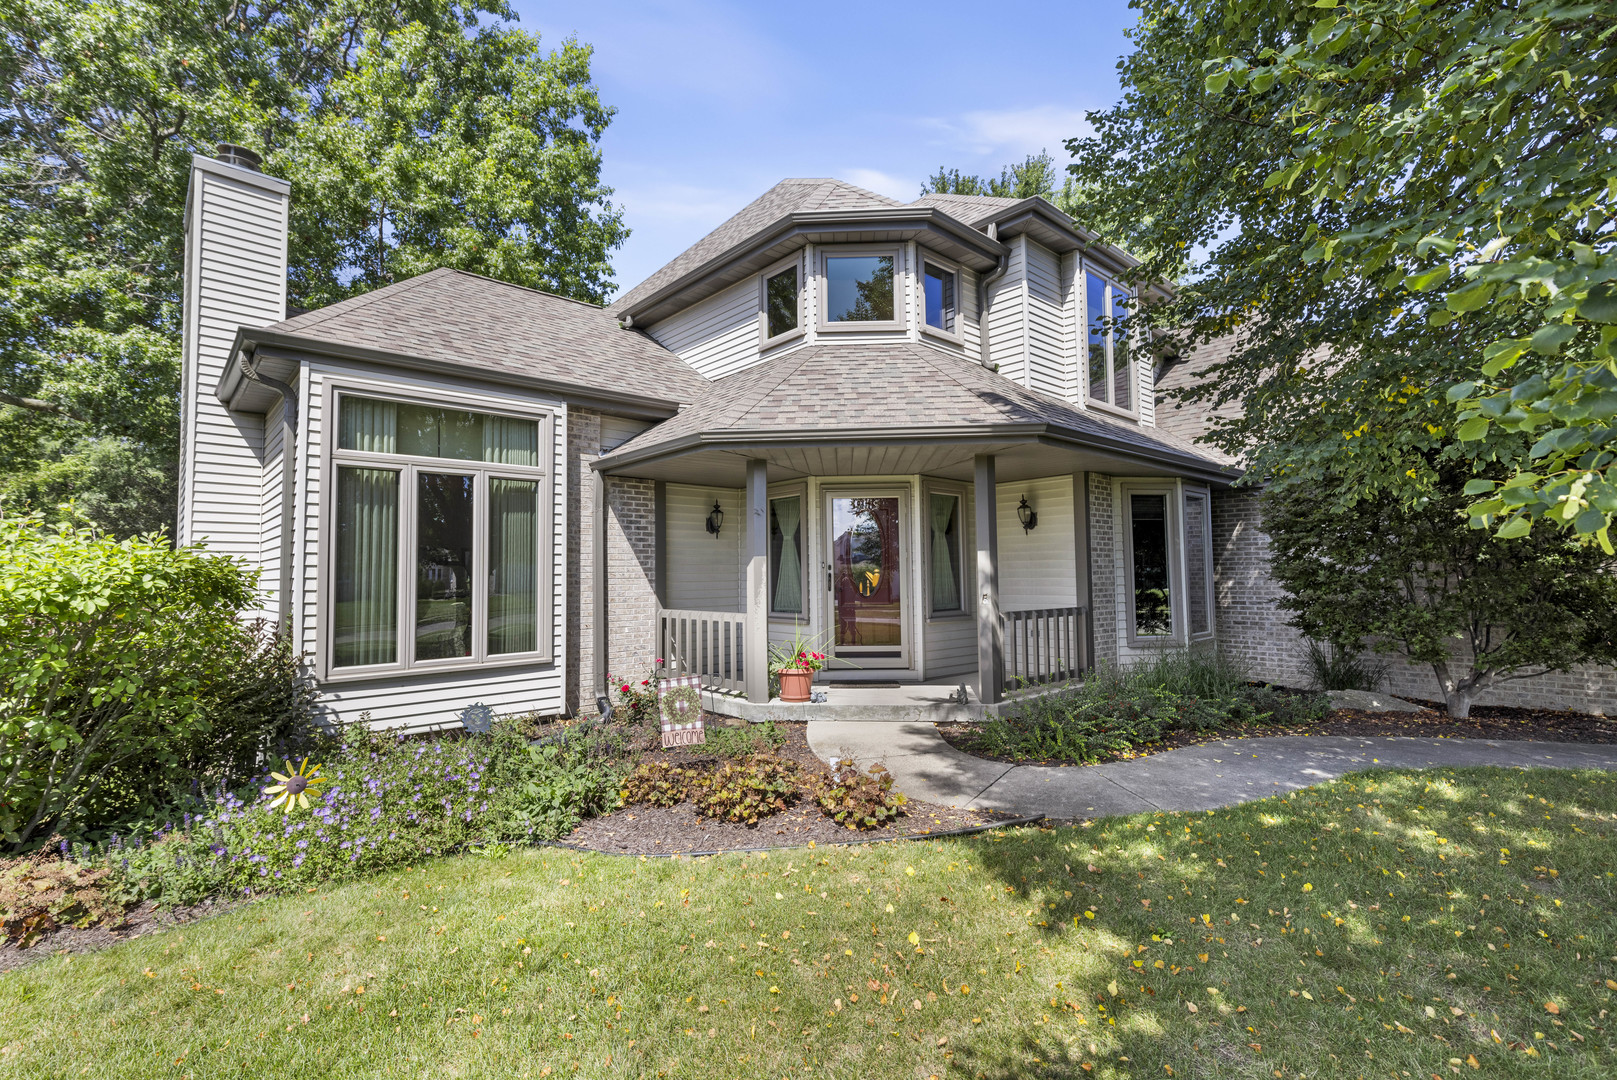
(235, 276)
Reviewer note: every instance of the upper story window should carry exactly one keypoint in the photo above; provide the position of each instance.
(780, 302)
(860, 289)
(940, 287)
(1111, 370)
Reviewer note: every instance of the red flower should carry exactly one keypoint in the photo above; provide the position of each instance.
(645, 682)
(624, 688)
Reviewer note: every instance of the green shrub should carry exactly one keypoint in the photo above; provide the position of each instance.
(1336, 668)
(137, 676)
(747, 791)
(739, 742)
(858, 800)
(657, 783)
(635, 701)
(1115, 712)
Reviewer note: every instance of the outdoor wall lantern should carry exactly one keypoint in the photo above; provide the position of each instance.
(1027, 516)
(715, 520)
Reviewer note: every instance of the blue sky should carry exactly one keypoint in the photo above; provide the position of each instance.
(717, 101)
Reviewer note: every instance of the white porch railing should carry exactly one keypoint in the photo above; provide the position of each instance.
(1043, 645)
(705, 643)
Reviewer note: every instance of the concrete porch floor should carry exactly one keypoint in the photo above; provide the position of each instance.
(907, 703)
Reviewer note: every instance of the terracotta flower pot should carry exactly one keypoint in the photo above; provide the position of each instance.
(795, 683)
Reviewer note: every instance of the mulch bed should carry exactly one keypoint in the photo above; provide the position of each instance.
(651, 830)
(138, 921)
(1498, 722)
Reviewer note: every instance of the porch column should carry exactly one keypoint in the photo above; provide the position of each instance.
(755, 557)
(990, 631)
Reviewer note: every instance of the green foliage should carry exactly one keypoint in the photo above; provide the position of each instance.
(42, 892)
(543, 792)
(747, 790)
(1338, 667)
(431, 133)
(1399, 200)
(1033, 176)
(135, 652)
(635, 702)
(737, 742)
(858, 800)
(1420, 581)
(1116, 713)
(658, 783)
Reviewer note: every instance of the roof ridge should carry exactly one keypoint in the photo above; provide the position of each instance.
(524, 288)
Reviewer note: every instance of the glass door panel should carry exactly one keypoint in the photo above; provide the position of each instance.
(867, 578)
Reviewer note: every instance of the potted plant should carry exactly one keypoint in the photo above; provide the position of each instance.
(794, 662)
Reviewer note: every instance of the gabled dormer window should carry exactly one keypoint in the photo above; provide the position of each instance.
(1111, 367)
(940, 286)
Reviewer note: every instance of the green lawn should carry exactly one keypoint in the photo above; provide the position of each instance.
(1373, 927)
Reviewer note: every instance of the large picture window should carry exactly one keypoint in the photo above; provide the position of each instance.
(1111, 366)
(437, 515)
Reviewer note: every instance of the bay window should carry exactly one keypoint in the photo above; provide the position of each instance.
(860, 291)
(438, 537)
(939, 287)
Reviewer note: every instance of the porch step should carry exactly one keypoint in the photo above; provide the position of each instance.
(904, 703)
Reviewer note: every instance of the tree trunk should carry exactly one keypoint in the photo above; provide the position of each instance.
(1456, 694)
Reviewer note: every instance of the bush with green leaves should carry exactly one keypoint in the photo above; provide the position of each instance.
(131, 673)
(43, 891)
(739, 742)
(858, 800)
(1115, 712)
(658, 783)
(748, 790)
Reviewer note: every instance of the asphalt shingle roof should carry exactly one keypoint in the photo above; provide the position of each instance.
(450, 315)
(786, 197)
(825, 389)
(974, 210)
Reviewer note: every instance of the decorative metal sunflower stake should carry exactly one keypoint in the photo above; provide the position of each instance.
(293, 788)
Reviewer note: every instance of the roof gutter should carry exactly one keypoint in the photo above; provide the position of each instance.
(983, 282)
(618, 402)
(975, 434)
(289, 441)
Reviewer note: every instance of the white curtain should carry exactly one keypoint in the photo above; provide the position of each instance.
(513, 592)
(789, 570)
(945, 579)
(366, 619)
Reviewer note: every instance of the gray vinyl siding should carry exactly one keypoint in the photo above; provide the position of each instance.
(704, 571)
(1037, 569)
(718, 336)
(1047, 361)
(1007, 320)
(236, 232)
(617, 430)
(272, 508)
(420, 700)
(1075, 389)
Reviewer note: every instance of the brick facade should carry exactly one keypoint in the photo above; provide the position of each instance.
(631, 572)
(1103, 556)
(1254, 630)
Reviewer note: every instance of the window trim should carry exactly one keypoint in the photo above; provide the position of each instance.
(1091, 401)
(1187, 494)
(408, 467)
(900, 318)
(1176, 545)
(922, 258)
(801, 329)
(799, 490)
(959, 492)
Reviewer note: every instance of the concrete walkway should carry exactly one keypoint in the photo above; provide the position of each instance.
(1204, 777)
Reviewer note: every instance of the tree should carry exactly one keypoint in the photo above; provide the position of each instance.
(417, 133)
(1036, 175)
(1418, 579)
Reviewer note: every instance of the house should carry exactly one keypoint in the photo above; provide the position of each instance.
(923, 432)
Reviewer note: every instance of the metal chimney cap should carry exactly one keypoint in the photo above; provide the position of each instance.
(240, 156)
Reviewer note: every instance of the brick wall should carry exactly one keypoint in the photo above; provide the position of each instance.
(1103, 567)
(631, 576)
(1253, 629)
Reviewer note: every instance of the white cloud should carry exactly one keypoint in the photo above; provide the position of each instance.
(1012, 132)
(882, 183)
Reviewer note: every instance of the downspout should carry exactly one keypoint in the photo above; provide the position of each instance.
(983, 281)
(289, 435)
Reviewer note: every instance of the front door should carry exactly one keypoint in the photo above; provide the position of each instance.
(869, 559)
